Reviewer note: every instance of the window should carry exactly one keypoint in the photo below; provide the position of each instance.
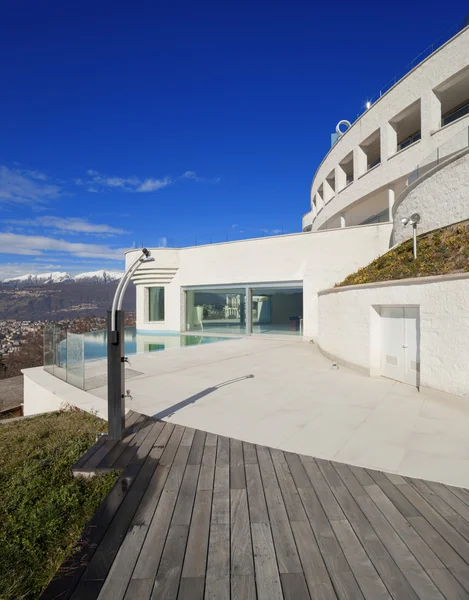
(156, 304)
(409, 140)
(455, 114)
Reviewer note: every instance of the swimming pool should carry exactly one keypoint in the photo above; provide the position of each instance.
(95, 343)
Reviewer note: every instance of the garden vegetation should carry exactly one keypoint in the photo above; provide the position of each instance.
(439, 252)
(43, 508)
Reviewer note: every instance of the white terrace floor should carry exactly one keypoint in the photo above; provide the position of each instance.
(284, 393)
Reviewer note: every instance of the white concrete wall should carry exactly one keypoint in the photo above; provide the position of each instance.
(418, 84)
(45, 393)
(350, 327)
(318, 259)
(441, 198)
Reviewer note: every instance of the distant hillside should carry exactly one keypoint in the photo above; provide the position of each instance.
(64, 300)
(39, 279)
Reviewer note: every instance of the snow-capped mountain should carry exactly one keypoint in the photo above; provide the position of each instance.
(34, 280)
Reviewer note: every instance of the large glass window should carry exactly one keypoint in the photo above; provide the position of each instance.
(277, 310)
(156, 304)
(218, 310)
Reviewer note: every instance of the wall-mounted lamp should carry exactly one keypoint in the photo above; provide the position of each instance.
(413, 220)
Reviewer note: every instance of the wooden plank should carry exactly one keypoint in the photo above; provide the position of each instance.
(197, 449)
(267, 575)
(362, 476)
(237, 475)
(387, 569)
(218, 563)
(285, 548)
(223, 451)
(419, 548)
(329, 502)
(147, 563)
(290, 494)
(445, 552)
(241, 546)
(404, 559)
(207, 470)
(118, 578)
(368, 579)
(144, 449)
(169, 572)
(192, 589)
(103, 558)
(139, 588)
(441, 525)
(250, 454)
(294, 586)
(450, 498)
(243, 587)
(124, 459)
(171, 446)
(441, 507)
(147, 506)
(406, 508)
(297, 470)
(221, 496)
(98, 456)
(183, 511)
(287, 555)
(197, 543)
(211, 439)
(257, 506)
(269, 477)
(315, 571)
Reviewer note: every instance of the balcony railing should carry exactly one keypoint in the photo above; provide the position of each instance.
(451, 147)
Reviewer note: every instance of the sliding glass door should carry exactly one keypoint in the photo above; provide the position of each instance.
(277, 310)
(216, 311)
(273, 309)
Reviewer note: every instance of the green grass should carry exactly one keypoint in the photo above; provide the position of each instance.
(438, 253)
(43, 508)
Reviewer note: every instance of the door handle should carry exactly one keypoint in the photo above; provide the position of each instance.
(405, 346)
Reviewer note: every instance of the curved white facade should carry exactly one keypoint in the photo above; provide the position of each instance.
(367, 169)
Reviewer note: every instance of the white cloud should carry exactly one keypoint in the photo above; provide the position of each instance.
(98, 181)
(192, 176)
(36, 245)
(66, 225)
(151, 185)
(27, 188)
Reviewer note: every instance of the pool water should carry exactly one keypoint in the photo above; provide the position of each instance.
(96, 342)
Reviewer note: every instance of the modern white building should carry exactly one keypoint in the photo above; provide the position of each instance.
(270, 285)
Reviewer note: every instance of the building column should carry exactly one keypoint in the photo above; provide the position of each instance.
(340, 179)
(391, 199)
(342, 220)
(430, 113)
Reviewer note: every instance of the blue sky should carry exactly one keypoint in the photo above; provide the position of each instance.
(174, 123)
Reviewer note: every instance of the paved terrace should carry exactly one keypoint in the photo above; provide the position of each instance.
(284, 394)
(200, 516)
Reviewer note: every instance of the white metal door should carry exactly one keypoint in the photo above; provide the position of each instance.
(400, 343)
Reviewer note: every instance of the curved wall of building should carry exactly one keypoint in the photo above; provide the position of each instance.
(440, 197)
(350, 327)
(367, 169)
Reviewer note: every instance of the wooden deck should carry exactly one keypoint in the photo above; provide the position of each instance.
(199, 516)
